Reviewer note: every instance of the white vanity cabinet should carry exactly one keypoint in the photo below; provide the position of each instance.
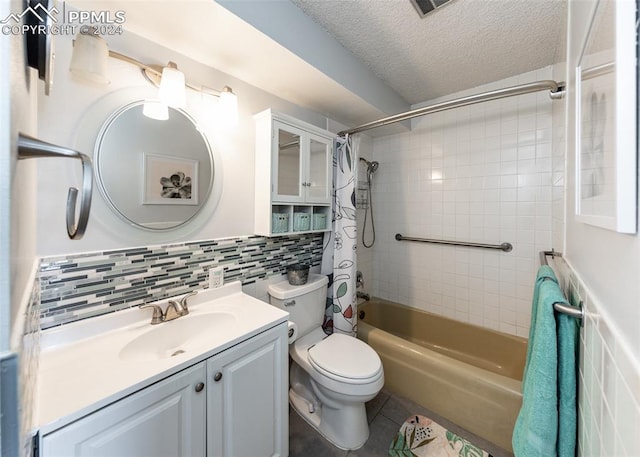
(165, 419)
(233, 404)
(247, 406)
(293, 174)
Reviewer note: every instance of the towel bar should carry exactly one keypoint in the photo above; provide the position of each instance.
(574, 311)
(29, 148)
(506, 247)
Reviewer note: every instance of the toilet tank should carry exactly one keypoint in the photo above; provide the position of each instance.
(305, 304)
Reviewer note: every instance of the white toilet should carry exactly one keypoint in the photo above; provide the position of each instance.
(331, 377)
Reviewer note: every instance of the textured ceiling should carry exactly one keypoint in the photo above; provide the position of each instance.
(464, 44)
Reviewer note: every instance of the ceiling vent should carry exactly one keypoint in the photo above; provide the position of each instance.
(424, 7)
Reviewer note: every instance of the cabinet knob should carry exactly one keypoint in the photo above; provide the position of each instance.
(199, 386)
(217, 377)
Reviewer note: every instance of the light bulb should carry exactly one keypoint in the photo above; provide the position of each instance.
(172, 87)
(228, 107)
(155, 110)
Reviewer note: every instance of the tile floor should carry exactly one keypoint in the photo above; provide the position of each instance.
(386, 413)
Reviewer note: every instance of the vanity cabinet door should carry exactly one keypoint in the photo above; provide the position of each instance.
(247, 408)
(165, 419)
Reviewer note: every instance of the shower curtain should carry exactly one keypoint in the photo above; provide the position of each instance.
(339, 255)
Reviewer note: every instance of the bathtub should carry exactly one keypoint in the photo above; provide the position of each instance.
(470, 375)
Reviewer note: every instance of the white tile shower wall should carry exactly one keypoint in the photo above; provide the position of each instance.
(365, 255)
(609, 380)
(558, 115)
(478, 173)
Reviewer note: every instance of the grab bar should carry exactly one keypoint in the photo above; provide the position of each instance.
(573, 311)
(31, 148)
(506, 247)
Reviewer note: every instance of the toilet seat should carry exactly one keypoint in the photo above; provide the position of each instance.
(345, 359)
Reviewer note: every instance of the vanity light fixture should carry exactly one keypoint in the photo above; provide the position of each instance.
(89, 61)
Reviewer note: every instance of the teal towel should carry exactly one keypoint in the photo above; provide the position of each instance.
(567, 385)
(546, 424)
(545, 273)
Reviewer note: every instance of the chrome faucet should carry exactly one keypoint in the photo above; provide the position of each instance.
(174, 309)
(359, 284)
(158, 314)
(363, 295)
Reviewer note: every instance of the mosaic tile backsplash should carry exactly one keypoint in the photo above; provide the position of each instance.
(80, 286)
(29, 363)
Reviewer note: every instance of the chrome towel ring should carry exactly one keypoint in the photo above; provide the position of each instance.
(32, 148)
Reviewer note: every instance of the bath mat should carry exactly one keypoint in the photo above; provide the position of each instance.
(419, 436)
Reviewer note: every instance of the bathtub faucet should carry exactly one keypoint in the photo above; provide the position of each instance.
(364, 295)
(359, 279)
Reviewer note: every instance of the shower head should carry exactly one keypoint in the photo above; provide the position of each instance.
(371, 166)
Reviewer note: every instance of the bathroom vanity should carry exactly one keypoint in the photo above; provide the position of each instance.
(211, 383)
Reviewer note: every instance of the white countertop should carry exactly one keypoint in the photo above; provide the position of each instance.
(80, 365)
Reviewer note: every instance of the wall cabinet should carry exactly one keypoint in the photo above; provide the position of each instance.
(293, 175)
(233, 404)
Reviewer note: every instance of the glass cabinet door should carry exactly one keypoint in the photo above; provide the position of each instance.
(318, 184)
(287, 169)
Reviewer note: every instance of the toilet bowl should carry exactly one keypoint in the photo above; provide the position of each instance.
(331, 377)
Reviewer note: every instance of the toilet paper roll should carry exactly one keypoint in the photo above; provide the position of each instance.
(293, 332)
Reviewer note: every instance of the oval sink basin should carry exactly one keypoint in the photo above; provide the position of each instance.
(176, 337)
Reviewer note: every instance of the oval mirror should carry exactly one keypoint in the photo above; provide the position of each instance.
(156, 174)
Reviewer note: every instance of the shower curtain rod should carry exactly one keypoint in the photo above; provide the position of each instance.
(555, 88)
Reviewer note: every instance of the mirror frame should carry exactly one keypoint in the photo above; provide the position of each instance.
(203, 198)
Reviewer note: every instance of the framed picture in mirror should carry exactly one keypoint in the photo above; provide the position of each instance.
(169, 180)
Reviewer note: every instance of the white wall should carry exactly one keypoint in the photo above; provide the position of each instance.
(19, 177)
(614, 278)
(74, 113)
(479, 173)
(17, 222)
(606, 268)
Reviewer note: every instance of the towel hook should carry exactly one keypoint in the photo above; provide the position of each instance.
(32, 148)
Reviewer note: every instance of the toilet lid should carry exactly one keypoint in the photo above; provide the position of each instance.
(345, 356)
